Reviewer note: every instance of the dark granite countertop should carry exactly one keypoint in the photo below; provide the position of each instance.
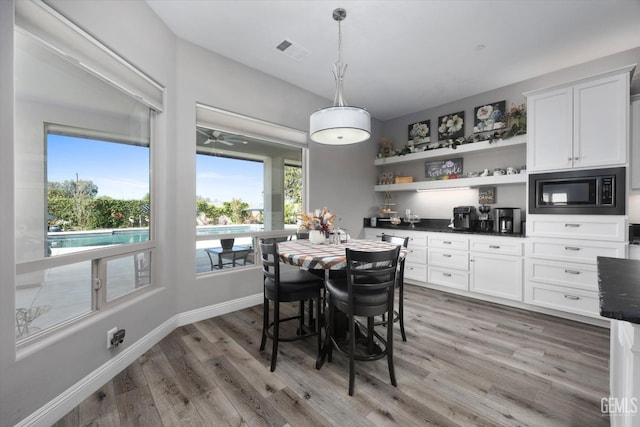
(438, 225)
(619, 286)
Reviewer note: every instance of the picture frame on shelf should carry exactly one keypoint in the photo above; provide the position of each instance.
(444, 169)
(490, 117)
(451, 126)
(419, 133)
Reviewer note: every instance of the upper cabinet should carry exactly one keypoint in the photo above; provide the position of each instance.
(583, 125)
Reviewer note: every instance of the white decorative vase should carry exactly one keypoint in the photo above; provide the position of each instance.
(316, 237)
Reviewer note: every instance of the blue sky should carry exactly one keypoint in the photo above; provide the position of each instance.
(121, 171)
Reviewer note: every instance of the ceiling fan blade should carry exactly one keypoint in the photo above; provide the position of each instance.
(222, 141)
(208, 141)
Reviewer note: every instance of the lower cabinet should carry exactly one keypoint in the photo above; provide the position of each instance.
(449, 277)
(496, 275)
(563, 298)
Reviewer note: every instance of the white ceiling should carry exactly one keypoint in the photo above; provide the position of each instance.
(406, 56)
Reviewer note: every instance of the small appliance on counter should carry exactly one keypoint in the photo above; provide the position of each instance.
(507, 220)
(464, 218)
(485, 222)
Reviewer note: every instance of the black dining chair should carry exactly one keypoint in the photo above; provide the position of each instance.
(286, 286)
(367, 291)
(398, 316)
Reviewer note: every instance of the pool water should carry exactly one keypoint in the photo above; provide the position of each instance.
(124, 237)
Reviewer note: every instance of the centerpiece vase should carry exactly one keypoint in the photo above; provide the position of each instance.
(316, 237)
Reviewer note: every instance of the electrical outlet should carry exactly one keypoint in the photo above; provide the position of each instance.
(110, 333)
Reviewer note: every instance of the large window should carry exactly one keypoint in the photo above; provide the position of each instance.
(246, 187)
(83, 187)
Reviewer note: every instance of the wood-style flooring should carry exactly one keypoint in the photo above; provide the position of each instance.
(465, 362)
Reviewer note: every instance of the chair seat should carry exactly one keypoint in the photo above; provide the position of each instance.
(367, 302)
(295, 285)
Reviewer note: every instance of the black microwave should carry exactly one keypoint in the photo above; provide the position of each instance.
(578, 192)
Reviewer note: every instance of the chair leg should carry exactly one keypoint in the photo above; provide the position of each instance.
(318, 330)
(329, 329)
(352, 349)
(401, 311)
(301, 318)
(276, 334)
(265, 323)
(392, 373)
(370, 334)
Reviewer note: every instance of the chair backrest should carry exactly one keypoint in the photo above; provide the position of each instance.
(373, 270)
(396, 240)
(270, 260)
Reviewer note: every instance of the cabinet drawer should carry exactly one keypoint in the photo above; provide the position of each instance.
(448, 241)
(413, 271)
(450, 278)
(417, 255)
(573, 275)
(574, 250)
(450, 259)
(561, 298)
(591, 227)
(504, 246)
(416, 238)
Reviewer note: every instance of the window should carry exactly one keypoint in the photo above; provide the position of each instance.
(247, 186)
(83, 187)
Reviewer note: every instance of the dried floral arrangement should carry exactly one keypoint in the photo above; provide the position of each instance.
(319, 220)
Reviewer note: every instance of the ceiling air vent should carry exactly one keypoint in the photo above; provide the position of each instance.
(293, 50)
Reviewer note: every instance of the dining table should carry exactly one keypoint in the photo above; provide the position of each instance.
(328, 257)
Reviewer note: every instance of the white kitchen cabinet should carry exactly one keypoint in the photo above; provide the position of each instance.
(635, 142)
(496, 275)
(613, 228)
(448, 277)
(496, 267)
(560, 267)
(582, 125)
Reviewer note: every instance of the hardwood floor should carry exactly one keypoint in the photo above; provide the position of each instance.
(465, 362)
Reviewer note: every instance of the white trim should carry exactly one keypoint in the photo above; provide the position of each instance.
(215, 310)
(58, 407)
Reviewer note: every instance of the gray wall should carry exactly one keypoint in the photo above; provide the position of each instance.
(39, 373)
(340, 178)
(439, 204)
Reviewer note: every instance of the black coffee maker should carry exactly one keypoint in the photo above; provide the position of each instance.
(507, 220)
(464, 218)
(485, 223)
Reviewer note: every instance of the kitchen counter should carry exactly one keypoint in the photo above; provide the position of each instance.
(437, 225)
(619, 286)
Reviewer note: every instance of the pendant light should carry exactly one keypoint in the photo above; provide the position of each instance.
(340, 124)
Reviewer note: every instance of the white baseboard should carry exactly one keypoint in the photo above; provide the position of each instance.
(74, 395)
(215, 310)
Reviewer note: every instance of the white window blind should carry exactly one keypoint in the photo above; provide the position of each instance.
(50, 28)
(215, 118)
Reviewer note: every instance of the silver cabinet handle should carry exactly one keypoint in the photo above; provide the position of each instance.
(446, 274)
(446, 255)
(572, 248)
(572, 225)
(572, 297)
(570, 158)
(446, 243)
(494, 247)
(571, 271)
(576, 158)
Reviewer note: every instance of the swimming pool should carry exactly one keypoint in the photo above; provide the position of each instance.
(124, 237)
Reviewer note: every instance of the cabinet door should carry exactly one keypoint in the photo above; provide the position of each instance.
(550, 130)
(496, 275)
(601, 111)
(634, 162)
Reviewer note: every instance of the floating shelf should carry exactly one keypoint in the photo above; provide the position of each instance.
(439, 153)
(480, 181)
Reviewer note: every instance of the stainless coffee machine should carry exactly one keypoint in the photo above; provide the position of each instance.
(485, 222)
(507, 220)
(464, 218)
